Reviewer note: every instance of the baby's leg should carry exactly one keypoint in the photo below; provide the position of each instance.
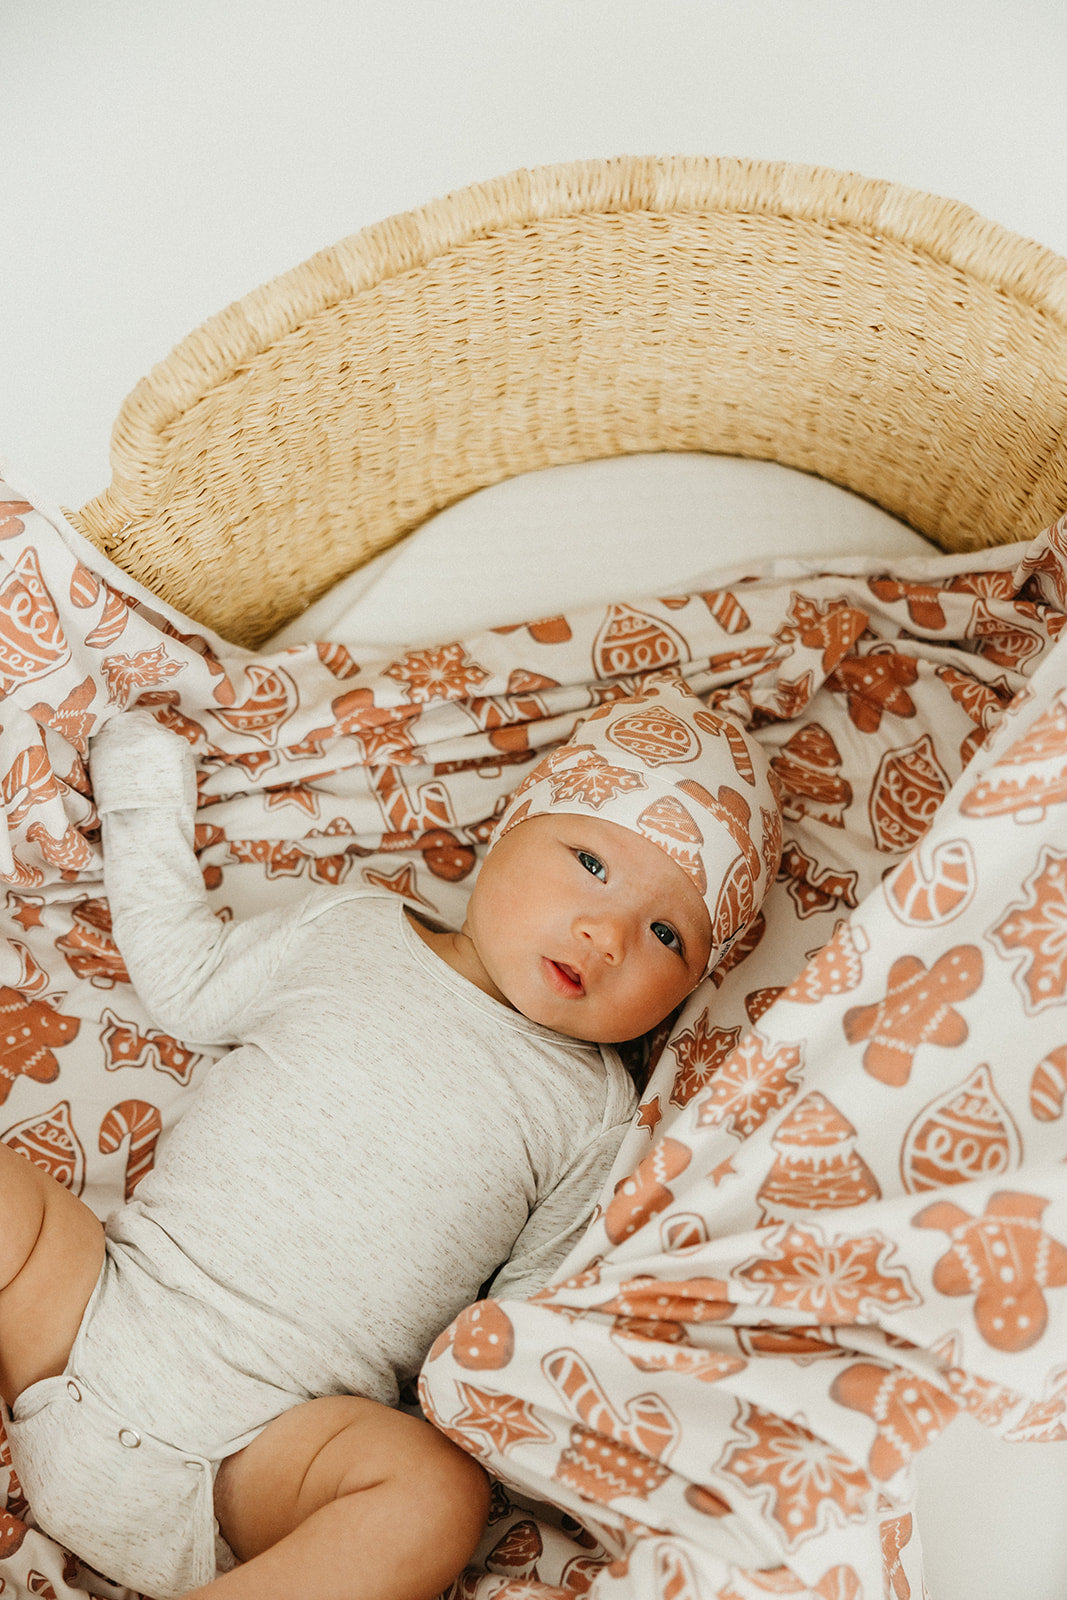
(51, 1252)
(344, 1499)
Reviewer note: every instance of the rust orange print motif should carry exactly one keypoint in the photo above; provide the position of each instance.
(17, 1504)
(663, 1347)
(32, 641)
(756, 1079)
(1005, 1259)
(718, 727)
(38, 1584)
(592, 781)
(963, 1135)
(803, 1484)
(31, 1031)
(807, 768)
(757, 1001)
(989, 1402)
(847, 1280)
(491, 1423)
(12, 1532)
(1009, 644)
(918, 1009)
(924, 606)
(646, 1192)
(1029, 777)
(771, 841)
(1041, 1423)
(933, 889)
(32, 979)
(72, 717)
(631, 641)
(126, 674)
(650, 1300)
(68, 851)
(445, 856)
(814, 888)
(873, 685)
(383, 732)
(667, 823)
(817, 1166)
(482, 1338)
(724, 606)
(270, 699)
(675, 1578)
(832, 626)
(443, 672)
(896, 1534)
(142, 1125)
(28, 782)
(337, 659)
(547, 630)
(85, 588)
(655, 737)
(735, 902)
(908, 788)
(112, 623)
(1046, 569)
(1048, 1085)
(519, 1548)
(699, 1051)
(410, 808)
(1034, 933)
(908, 1411)
(126, 1046)
(740, 949)
(835, 969)
(11, 515)
(48, 1139)
(613, 1453)
(732, 810)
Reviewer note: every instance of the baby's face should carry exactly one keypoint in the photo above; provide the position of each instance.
(586, 927)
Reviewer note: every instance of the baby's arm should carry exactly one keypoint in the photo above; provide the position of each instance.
(194, 974)
(559, 1221)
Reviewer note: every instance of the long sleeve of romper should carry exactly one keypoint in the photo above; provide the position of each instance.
(194, 974)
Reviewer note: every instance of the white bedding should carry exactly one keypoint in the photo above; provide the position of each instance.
(632, 525)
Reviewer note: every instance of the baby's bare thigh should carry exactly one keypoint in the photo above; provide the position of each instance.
(51, 1252)
(336, 1448)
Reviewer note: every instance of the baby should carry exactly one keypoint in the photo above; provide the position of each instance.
(211, 1380)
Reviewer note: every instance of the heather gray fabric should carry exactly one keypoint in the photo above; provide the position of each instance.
(340, 1187)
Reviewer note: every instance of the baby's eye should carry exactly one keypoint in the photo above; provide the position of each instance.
(666, 935)
(592, 864)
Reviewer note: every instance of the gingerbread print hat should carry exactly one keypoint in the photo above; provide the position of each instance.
(690, 779)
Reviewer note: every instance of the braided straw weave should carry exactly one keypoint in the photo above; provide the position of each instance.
(884, 339)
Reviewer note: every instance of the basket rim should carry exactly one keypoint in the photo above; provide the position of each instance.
(947, 231)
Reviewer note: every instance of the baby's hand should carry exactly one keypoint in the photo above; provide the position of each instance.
(134, 761)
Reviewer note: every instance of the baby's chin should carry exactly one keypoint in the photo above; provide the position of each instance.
(593, 1031)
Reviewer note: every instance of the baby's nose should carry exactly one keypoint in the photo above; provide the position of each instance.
(607, 934)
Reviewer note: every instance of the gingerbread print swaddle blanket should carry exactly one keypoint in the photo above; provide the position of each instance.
(840, 1217)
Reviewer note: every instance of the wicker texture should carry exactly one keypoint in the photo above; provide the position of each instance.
(889, 341)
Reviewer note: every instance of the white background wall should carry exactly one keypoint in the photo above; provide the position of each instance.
(159, 158)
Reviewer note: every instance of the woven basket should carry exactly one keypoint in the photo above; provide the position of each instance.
(886, 340)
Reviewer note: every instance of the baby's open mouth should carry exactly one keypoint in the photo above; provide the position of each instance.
(567, 979)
